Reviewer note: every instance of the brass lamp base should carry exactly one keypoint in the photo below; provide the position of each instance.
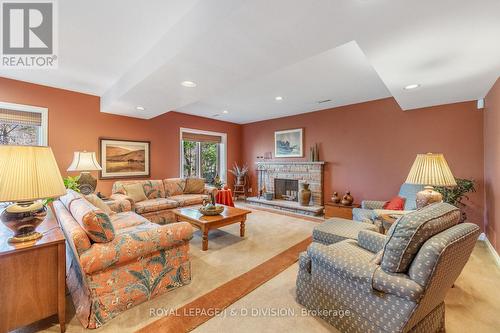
(86, 183)
(428, 196)
(23, 218)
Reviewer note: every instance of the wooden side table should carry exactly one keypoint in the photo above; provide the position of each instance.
(33, 277)
(388, 220)
(338, 210)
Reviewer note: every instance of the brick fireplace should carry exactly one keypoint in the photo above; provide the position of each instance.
(279, 176)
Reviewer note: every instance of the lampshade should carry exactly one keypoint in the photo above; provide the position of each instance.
(84, 161)
(431, 169)
(29, 173)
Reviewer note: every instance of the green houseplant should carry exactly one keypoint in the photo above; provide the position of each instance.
(456, 194)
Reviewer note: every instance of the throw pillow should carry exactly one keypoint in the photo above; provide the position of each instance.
(194, 186)
(95, 222)
(135, 192)
(406, 236)
(96, 201)
(396, 203)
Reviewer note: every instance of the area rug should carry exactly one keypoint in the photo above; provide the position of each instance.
(228, 257)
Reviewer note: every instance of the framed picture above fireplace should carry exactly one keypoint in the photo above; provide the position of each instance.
(289, 143)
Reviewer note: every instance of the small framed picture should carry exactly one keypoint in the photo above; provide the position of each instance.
(289, 143)
(124, 158)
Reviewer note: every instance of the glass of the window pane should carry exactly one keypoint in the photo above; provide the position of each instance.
(190, 159)
(18, 134)
(209, 161)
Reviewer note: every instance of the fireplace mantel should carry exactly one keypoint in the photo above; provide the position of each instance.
(290, 162)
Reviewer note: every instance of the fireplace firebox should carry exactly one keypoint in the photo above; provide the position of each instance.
(286, 189)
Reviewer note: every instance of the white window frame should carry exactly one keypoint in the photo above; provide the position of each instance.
(222, 151)
(43, 134)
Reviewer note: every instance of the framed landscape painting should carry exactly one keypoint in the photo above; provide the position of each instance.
(289, 143)
(124, 158)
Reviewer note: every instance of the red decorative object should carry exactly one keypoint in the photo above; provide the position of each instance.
(225, 197)
(396, 203)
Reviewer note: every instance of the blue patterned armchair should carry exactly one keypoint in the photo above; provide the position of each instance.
(368, 210)
(393, 283)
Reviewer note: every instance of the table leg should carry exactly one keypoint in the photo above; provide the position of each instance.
(61, 286)
(242, 227)
(204, 246)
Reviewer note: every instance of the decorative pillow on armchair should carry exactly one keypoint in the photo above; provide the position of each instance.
(396, 203)
(194, 186)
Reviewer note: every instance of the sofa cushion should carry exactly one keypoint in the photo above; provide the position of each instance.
(152, 188)
(189, 199)
(174, 186)
(125, 220)
(69, 197)
(96, 201)
(135, 192)
(194, 186)
(154, 205)
(95, 222)
(406, 236)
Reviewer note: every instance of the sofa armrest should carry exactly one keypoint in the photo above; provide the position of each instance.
(120, 203)
(397, 284)
(140, 241)
(371, 240)
(372, 204)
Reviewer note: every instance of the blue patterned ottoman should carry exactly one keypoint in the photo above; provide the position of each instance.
(337, 229)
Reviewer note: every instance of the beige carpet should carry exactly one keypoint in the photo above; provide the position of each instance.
(228, 256)
(473, 305)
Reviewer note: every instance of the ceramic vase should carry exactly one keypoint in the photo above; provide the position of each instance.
(335, 198)
(304, 194)
(347, 199)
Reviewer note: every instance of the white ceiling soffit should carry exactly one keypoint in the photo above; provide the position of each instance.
(242, 54)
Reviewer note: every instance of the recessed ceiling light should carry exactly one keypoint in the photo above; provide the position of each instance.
(188, 84)
(278, 98)
(140, 108)
(225, 112)
(412, 86)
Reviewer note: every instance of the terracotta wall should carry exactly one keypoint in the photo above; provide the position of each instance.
(76, 123)
(492, 165)
(370, 147)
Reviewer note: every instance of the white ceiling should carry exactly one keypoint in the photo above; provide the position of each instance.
(244, 53)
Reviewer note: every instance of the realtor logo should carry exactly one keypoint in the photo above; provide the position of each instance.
(28, 34)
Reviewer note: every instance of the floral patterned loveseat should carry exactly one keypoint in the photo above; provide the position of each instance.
(116, 261)
(162, 197)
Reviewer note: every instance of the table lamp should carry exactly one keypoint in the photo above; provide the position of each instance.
(430, 170)
(85, 162)
(27, 175)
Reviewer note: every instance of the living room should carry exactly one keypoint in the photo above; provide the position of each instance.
(216, 166)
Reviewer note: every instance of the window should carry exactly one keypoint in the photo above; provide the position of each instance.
(203, 154)
(23, 125)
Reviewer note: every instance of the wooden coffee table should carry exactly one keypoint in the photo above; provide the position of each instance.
(230, 215)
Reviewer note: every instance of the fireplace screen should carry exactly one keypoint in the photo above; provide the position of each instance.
(286, 189)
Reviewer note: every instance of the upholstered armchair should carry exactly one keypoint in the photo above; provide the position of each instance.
(370, 209)
(393, 283)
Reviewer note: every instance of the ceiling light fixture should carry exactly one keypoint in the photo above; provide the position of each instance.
(278, 98)
(188, 84)
(225, 112)
(412, 86)
(140, 108)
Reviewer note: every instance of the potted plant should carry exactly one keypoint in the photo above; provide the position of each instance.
(239, 173)
(454, 195)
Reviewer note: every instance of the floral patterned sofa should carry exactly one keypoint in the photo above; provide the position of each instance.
(118, 260)
(162, 196)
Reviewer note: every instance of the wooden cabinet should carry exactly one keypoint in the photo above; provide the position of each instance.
(338, 210)
(33, 277)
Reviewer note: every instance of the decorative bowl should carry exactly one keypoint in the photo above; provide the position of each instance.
(216, 210)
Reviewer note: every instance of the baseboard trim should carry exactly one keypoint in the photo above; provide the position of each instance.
(494, 252)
